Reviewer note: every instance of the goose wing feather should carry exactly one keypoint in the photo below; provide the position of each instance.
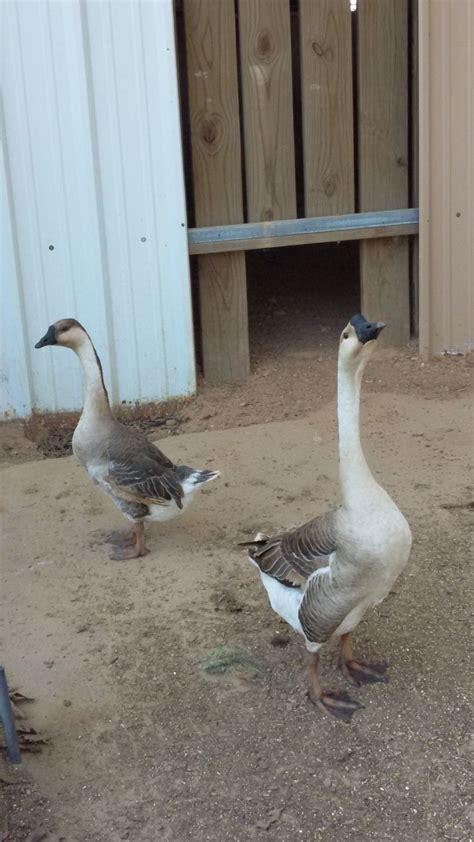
(324, 606)
(291, 557)
(138, 470)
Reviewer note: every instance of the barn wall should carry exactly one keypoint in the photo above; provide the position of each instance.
(93, 205)
(446, 29)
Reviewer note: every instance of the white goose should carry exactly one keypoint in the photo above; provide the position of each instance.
(321, 577)
(142, 481)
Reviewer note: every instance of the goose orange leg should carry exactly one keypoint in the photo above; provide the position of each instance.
(132, 545)
(359, 671)
(336, 702)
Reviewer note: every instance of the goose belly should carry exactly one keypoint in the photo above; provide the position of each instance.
(378, 592)
(353, 619)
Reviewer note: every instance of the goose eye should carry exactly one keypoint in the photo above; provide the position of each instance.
(345, 335)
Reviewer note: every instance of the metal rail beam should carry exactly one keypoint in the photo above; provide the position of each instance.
(297, 232)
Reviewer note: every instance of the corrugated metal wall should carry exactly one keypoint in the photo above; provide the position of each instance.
(93, 206)
(446, 30)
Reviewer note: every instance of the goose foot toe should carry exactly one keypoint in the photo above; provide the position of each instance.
(337, 703)
(365, 672)
(122, 553)
(130, 544)
(122, 537)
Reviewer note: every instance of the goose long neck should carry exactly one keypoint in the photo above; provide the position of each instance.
(354, 473)
(96, 402)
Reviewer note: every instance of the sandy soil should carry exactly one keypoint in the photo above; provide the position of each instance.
(144, 745)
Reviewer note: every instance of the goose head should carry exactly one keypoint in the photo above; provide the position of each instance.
(66, 332)
(358, 340)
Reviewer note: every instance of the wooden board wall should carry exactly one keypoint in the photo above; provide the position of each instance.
(327, 106)
(265, 60)
(383, 158)
(217, 177)
(243, 83)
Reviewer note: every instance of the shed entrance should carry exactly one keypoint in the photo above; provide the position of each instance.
(297, 131)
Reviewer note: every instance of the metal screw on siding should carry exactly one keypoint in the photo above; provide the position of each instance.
(143, 239)
(8, 722)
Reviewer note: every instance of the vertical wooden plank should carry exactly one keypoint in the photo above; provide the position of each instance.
(224, 316)
(326, 81)
(383, 104)
(214, 110)
(217, 177)
(382, 265)
(382, 64)
(265, 54)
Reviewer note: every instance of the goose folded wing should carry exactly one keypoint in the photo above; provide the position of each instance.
(142, 472)
(291, 557)
(324, 606)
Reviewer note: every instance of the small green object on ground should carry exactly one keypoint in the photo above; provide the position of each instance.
(226, 659)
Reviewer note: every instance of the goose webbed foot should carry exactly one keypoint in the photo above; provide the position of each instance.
(130, 544)
(124, 553)
(364, 672)
(358, 670)
(121, 537)
(337, 703)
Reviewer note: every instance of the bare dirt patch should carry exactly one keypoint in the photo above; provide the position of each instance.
(146, 744)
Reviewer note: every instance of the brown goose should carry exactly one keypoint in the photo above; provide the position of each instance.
(322, 576)
(142, 481)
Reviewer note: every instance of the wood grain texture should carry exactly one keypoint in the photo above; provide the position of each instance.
(224, 317)
(382, 64)
(217, 181)
(265, 54)
(382, 36)
(326, 82)
(214, 111)
(385, 291)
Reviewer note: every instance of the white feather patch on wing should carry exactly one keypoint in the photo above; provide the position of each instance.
(170, 510)
(284, 601)
(197, 479)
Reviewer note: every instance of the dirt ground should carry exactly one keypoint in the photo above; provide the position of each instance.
(144, 745)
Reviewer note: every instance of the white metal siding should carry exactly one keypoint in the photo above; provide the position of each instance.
(92, 165)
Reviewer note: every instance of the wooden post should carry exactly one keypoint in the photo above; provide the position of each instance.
(326, 82)
(382, 35)
(217, 176)
(265, 53)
